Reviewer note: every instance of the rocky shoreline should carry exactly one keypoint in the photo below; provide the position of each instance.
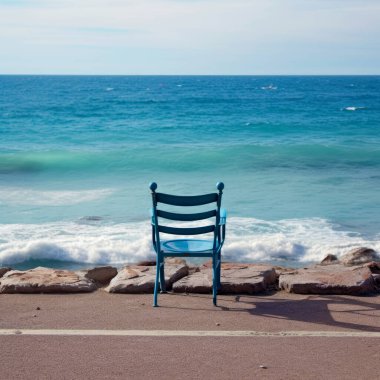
(355, 273)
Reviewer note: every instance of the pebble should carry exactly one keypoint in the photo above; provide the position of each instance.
(263, 366)
(35, 315)
(218, 324)
(38, 308)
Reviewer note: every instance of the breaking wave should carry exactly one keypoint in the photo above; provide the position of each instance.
(288, 241)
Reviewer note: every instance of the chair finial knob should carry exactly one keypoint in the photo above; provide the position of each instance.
(153, 186)
(220, 186)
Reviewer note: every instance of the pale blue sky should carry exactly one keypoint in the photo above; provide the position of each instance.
(190, 36)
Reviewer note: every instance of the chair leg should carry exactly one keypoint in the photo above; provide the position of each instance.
(156, 284)
(162, 276)
(214, 281)
(219, 270)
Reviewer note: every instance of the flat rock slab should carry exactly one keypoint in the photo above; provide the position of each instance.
(140, 278)
(45, 280)
(235, 279)
(330, 279)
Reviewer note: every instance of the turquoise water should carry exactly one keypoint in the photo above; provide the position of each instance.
(299, 155)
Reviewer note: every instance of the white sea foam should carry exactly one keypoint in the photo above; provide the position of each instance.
(270, 87)
(50, 198)
(297, 240)
(353, 108)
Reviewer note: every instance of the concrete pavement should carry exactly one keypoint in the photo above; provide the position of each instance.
(293, 336)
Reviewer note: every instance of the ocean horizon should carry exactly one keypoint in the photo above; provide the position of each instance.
(299, 156)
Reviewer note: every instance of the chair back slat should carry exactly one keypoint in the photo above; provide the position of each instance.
(196, 200)
(186, 217)
(186, 231)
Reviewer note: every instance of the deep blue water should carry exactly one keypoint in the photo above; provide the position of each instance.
(299, 155)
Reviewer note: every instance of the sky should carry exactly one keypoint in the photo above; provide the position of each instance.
(195, 37)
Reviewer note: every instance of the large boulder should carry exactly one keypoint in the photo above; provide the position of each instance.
(358, 256)
(101, 275)
(140, 279)
(235, 279)
(45, 280)
(329, 279)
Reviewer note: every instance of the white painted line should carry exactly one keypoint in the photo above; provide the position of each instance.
(186, 333)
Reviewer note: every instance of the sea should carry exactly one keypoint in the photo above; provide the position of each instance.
(299, 157)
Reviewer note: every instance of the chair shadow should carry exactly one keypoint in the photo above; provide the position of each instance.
(314, 309)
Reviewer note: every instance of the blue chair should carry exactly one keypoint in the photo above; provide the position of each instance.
(188, 247)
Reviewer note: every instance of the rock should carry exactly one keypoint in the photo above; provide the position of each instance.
(329, 259)
(376, 278)
(359, 256)
(101, 275)
(280, 270)
(198, 282)
(193, 268)
(246, 278)
(374, 267)
(146, 263)
(140, 279)
(3, 271)
(175, 260)
(168, 260)
(45, 280)
(329, 279)
(235, 279)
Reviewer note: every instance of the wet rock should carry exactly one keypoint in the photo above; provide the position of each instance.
(359, 256)
(329, 259)
(101, 275)
(140, 279)
(329, 279)
(235, 279)
(3, 271)
(45, 280)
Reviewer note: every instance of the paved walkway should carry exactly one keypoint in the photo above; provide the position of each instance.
(114, 336)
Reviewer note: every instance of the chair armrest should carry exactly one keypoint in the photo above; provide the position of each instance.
(223, 216)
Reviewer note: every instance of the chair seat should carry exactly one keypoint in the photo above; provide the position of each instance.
(188, 246)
